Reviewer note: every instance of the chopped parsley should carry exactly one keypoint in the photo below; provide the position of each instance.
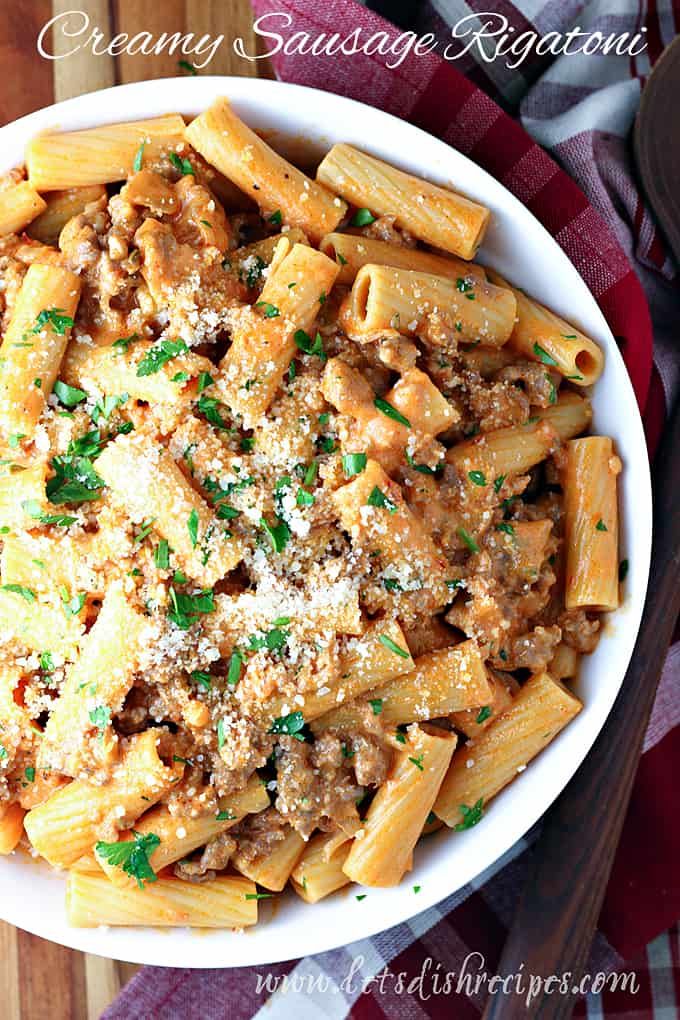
(69, 396)
(353, 463)
(105, 408)
(235, 664)
(139, 159)
(186, 609)
(192, 527)
(278, 533)
(182, 165)
(362, 218)
(467, 538)
(477, 477)
(210, 407)
(484, 714)
(30, 774)
(161, 556)
(100, 717)
(424, 469)
(184, 65)
(32, 508)
(543, 355)
(270, 311)
(72, 604)
(203, 679)
(392, 646)
(498, 483)
(276, 218)
(225, 816)
(55, 318)
(144, 531)
(254, 271)
(121, 345)
(18, 589)
(304, 498)
(159, 355)
(471, 815)
(308, 346)
(418, 761)
(46, 662)
(601, 526)
(290, 724)
(376, 704)
(378, 498)
(466, 288)
(132, 856)
(391, 412)
(506, 527)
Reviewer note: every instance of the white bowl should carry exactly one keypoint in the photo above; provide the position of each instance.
(31, 896)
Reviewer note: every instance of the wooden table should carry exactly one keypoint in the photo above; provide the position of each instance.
(38, 978)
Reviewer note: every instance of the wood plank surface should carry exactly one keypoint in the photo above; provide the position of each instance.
(39, 979)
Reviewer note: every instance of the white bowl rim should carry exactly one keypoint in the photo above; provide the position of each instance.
(29, 898)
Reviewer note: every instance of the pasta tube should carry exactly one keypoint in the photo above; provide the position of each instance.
(241, 155)
(39, 625)
(434, 214)
(18, 206)
(540, 710)
(263, 344)
(180, 837)
(11, 827)
(19, 487)
(403, 299)
(273, 869)
(352, 251)
(515, 449)
(68, 825)
(591, 524)
(100, 155)
(61, 206)
(108, 369)
(79, 724)
(319, 872)
(385, 521)
(540, 335)
(473, 721)
(444, 681)
(382, 848)
(34, 345)
(148, 483)
(228, 902)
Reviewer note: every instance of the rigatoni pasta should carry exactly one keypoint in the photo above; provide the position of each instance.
(301, 530)
(591, 523)
(226, 142)
(434, 214)
(405, 300)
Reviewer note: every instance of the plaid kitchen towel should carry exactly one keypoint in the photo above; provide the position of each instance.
(580, 109)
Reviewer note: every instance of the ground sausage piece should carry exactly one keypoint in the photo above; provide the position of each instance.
(215, 857)
(314, 784)
(533, 650)
(537, 382)
(579, 631)
(257, 835)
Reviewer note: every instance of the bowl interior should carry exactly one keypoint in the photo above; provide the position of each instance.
(31, 896)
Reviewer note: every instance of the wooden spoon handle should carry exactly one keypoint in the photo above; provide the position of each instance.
(554, 925)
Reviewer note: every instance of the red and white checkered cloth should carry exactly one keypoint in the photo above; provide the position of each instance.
(581, 109)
